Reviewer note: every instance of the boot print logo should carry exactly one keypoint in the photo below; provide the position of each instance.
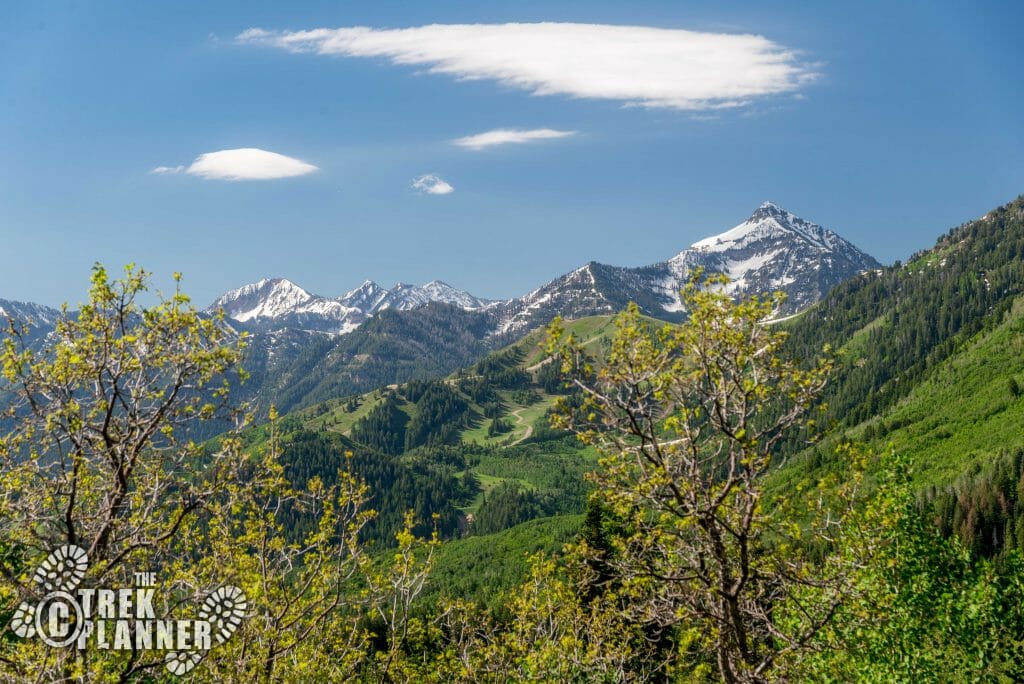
(122, 619)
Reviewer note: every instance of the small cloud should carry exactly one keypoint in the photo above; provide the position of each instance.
(432, 185)
(247, 163)
(506, 136)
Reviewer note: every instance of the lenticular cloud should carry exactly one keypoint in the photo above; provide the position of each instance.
(247, 163)
(652, 67)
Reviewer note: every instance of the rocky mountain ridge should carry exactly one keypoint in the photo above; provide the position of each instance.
(772, 250)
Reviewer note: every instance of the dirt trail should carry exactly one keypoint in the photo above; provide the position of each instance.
(519, 421)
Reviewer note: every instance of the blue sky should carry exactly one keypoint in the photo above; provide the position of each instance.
(889, 122)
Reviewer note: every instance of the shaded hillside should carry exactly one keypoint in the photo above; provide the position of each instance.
(896, 324)
(393, 346)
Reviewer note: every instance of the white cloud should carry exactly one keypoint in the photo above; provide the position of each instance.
(247, 163)
(504, 136)
(432, 185)
(648, 66)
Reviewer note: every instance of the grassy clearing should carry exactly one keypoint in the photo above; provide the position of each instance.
(483, 567)
(337, 419)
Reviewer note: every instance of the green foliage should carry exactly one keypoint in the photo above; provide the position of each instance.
(925, 609)
(95, 460)
(686, 420)
(440, 413)
(383, 428)
(100, 418)
(394, 487)
(903, 321)
(984, 507)
(1014, 388)
(499, 426)
(483, 566)
(553, 470)
(504, 507)
(502, 370)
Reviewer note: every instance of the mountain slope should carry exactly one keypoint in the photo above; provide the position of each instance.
(965, 411)
(520, 366)
(932, 368)
(39, 319)
(393, 346)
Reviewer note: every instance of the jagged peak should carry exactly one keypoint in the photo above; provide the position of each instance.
(769, 209)
(588, 267)
(768, 220)
(39, 313)
(264, 285)
(366, 286)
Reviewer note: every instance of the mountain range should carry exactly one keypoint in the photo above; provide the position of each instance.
(772, 250)
(277, 303)
(306, 347)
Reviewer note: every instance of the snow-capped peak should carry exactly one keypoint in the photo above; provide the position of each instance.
(366, 297)
(267, 298)
(404, 296)
(275, 303)
(769, 221)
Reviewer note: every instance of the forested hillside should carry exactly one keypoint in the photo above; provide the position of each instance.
(393, 346)
(932, 360)
(475, 447)
(897, 323)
